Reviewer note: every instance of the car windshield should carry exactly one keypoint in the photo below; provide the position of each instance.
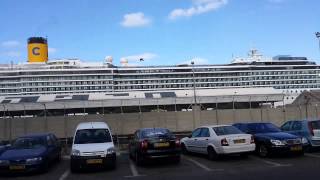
(263, 128)
(156, 132)
(315, 124)
(29, 143)
(88, 136)
(226, 130)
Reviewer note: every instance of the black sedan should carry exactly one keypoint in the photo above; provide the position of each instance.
(31, 153)
(154, 143)
(270, 140)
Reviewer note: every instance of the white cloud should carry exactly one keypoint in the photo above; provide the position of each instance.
(52, 50)
(135, 20)
(10, 44)
(196, 61)
(198, 7)
(136, 58)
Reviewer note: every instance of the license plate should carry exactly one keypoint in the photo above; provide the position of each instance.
(94, 161)
(157, 145)
(17, 167)
(296, 148)
(238, 141)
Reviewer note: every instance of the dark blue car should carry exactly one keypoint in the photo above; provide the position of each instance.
(31, 153)
(271, 140)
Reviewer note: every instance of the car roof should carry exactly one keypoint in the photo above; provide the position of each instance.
(92, 125)
(254, 123)
(35, 135)
(211, 126)
(146, 129)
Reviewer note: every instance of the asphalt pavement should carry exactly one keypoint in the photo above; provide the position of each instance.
(191, 167)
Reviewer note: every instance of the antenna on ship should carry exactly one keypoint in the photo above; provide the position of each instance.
(318, 36)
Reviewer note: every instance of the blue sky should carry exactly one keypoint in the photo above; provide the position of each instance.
(160, 31)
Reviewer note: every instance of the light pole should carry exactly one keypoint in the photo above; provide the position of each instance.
(194, 84)
(233, 107)
(45, 118)
(194, 96)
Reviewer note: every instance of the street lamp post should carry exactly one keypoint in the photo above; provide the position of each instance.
(194, 84)
(45, 118)
(194, 95)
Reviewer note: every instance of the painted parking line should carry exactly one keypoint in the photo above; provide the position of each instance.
(312, 155)
(65, 175)
(134, 170)
(272, 163)
(202, 166)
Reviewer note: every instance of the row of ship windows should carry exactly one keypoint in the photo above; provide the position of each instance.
(57, 83)
(65, 74)
(167, 82)
(302, 74)
(106, 88)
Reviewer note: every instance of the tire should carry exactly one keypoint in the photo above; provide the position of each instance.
(74, 168)
(45, 166)
(184, 149)
(59, 157)
(113, 165)
(212, 154)
(244, 155)
(177, 160)
(263, 151)
(139, 160)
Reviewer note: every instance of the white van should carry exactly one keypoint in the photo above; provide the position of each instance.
(92, 146)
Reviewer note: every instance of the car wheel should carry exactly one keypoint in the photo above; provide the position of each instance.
(184, 149)
(74, 168)
(45, 166)
(177, 159)
(139, 160)
(59, 157)
(244, 155)
(263, 151)
(212, 155)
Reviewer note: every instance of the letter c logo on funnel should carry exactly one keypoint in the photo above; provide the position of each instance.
(35, 51)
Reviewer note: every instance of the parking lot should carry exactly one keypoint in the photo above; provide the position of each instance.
(194, 166)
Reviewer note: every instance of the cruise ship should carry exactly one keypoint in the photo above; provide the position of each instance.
(285, 74)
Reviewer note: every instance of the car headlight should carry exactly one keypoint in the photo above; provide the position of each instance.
(304, 140)
(4, 162)
(75, 152)
(111, 150)
(277, 142)
(33, 160)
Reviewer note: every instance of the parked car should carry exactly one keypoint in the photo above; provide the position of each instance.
(154, 143)
(3, 146)
(271, 140)
(218, 140)
(92, 147)
(309, 130)
(34, 152)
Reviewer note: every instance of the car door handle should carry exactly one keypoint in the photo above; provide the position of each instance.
(195, 139)
(207, 139)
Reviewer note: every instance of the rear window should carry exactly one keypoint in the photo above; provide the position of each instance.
(147, 133)
(315, 124)
(29, 143)
(226, 130)
(88, 136)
